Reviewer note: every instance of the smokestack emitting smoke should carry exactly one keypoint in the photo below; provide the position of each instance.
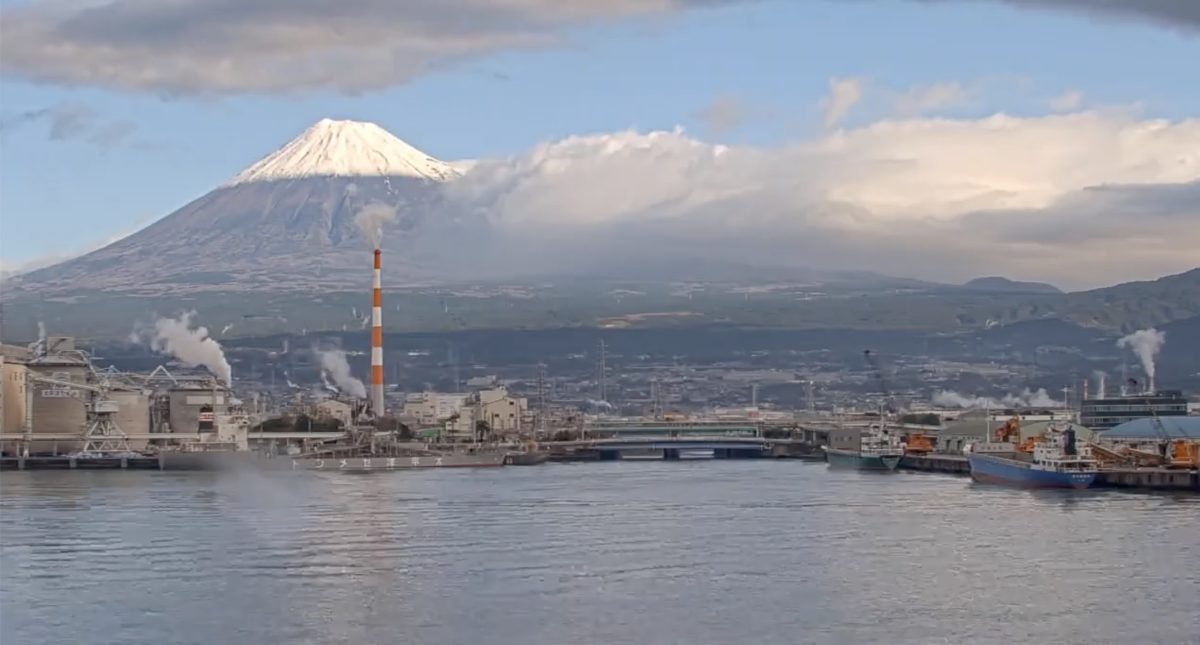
(377, 337)
(192, 347)
(1146, 344)
(334, 363)
(370, 221)
(1101, 381)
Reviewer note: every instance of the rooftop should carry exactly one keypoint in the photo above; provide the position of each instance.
(1175, 427)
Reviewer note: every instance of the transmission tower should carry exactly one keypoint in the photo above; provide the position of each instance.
(540, 421)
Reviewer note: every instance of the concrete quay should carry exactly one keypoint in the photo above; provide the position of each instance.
(64, 462)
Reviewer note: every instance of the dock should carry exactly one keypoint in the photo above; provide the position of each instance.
(936, 463)
(1149, 479)
(65, 462)
(1160, 479)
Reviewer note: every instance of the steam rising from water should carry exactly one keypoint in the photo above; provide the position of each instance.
(1146, 343)
(1026, 399)
(334, 363)
(370, 220)
(192, 347)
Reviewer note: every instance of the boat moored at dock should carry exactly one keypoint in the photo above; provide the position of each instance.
(1057, 461)
(875, 448)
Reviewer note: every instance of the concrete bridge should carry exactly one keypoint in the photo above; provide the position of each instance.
(721, 446)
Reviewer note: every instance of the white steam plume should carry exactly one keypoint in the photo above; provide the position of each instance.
(334, 363)
(1101, 382)
(192, 347)
(1026, 399)
(1146, 343)
(370, 220)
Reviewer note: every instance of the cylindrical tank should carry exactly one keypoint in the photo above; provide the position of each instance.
(59, 409)
(133, 417)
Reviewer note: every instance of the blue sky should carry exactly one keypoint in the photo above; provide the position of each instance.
(128, 156)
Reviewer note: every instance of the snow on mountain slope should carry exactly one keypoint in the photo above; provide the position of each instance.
(332, 148)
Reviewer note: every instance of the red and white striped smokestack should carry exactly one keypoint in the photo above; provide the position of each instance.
(377, 339)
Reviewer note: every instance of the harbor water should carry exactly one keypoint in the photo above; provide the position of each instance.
(684, 552)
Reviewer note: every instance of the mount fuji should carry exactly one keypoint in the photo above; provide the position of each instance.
(283, 223)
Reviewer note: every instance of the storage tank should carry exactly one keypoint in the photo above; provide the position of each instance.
(133, 417)
(58, 409)
(186, 404)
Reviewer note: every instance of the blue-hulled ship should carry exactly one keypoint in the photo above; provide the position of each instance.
(1057, 461)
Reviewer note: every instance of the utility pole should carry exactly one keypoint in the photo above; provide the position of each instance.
(603, 372)
(540, 425)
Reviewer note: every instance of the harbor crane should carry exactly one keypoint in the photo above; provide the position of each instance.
(101, 434)
(913, 442)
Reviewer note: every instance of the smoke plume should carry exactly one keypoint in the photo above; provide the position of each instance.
(370, 220)
(334, 363)
(1026, 399)
(192, 347)
(1101, 382)
(1146, 343)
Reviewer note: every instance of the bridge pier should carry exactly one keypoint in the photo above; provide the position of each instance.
(671, 454)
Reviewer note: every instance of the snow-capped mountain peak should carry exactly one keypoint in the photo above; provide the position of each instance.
(332, 148)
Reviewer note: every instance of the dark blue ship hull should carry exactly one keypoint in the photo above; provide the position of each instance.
(992, 469)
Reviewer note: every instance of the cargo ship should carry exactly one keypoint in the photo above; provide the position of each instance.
(1057, 461)
(875, 448)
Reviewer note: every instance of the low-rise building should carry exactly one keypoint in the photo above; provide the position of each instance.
(335, 410)
(504, 414)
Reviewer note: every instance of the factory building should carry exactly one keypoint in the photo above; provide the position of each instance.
(335, 410)
(980, 425)
(433, 408)
(458, 413)
(58, 395)
(1109, 412)
(193, 409)
(503, 413)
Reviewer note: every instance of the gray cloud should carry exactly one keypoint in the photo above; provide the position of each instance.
(1180, 14)
(233, 46)
(725, 113)
(73, 122)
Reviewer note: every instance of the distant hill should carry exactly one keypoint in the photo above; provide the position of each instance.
(997, 284)
(1134, 305)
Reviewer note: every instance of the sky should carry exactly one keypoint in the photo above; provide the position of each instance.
(941, 139)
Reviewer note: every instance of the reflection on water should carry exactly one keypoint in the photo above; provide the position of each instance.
(648, 552)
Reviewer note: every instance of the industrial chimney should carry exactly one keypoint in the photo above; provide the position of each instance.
(377, 339)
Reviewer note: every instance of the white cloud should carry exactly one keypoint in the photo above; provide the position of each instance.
(1067, 101)
(921, 99)
(935, 198)
(231, 46)
(844, 94)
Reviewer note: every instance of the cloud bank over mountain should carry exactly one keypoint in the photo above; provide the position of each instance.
(1083, 199)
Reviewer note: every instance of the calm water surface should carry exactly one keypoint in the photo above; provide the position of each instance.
(693, 553)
